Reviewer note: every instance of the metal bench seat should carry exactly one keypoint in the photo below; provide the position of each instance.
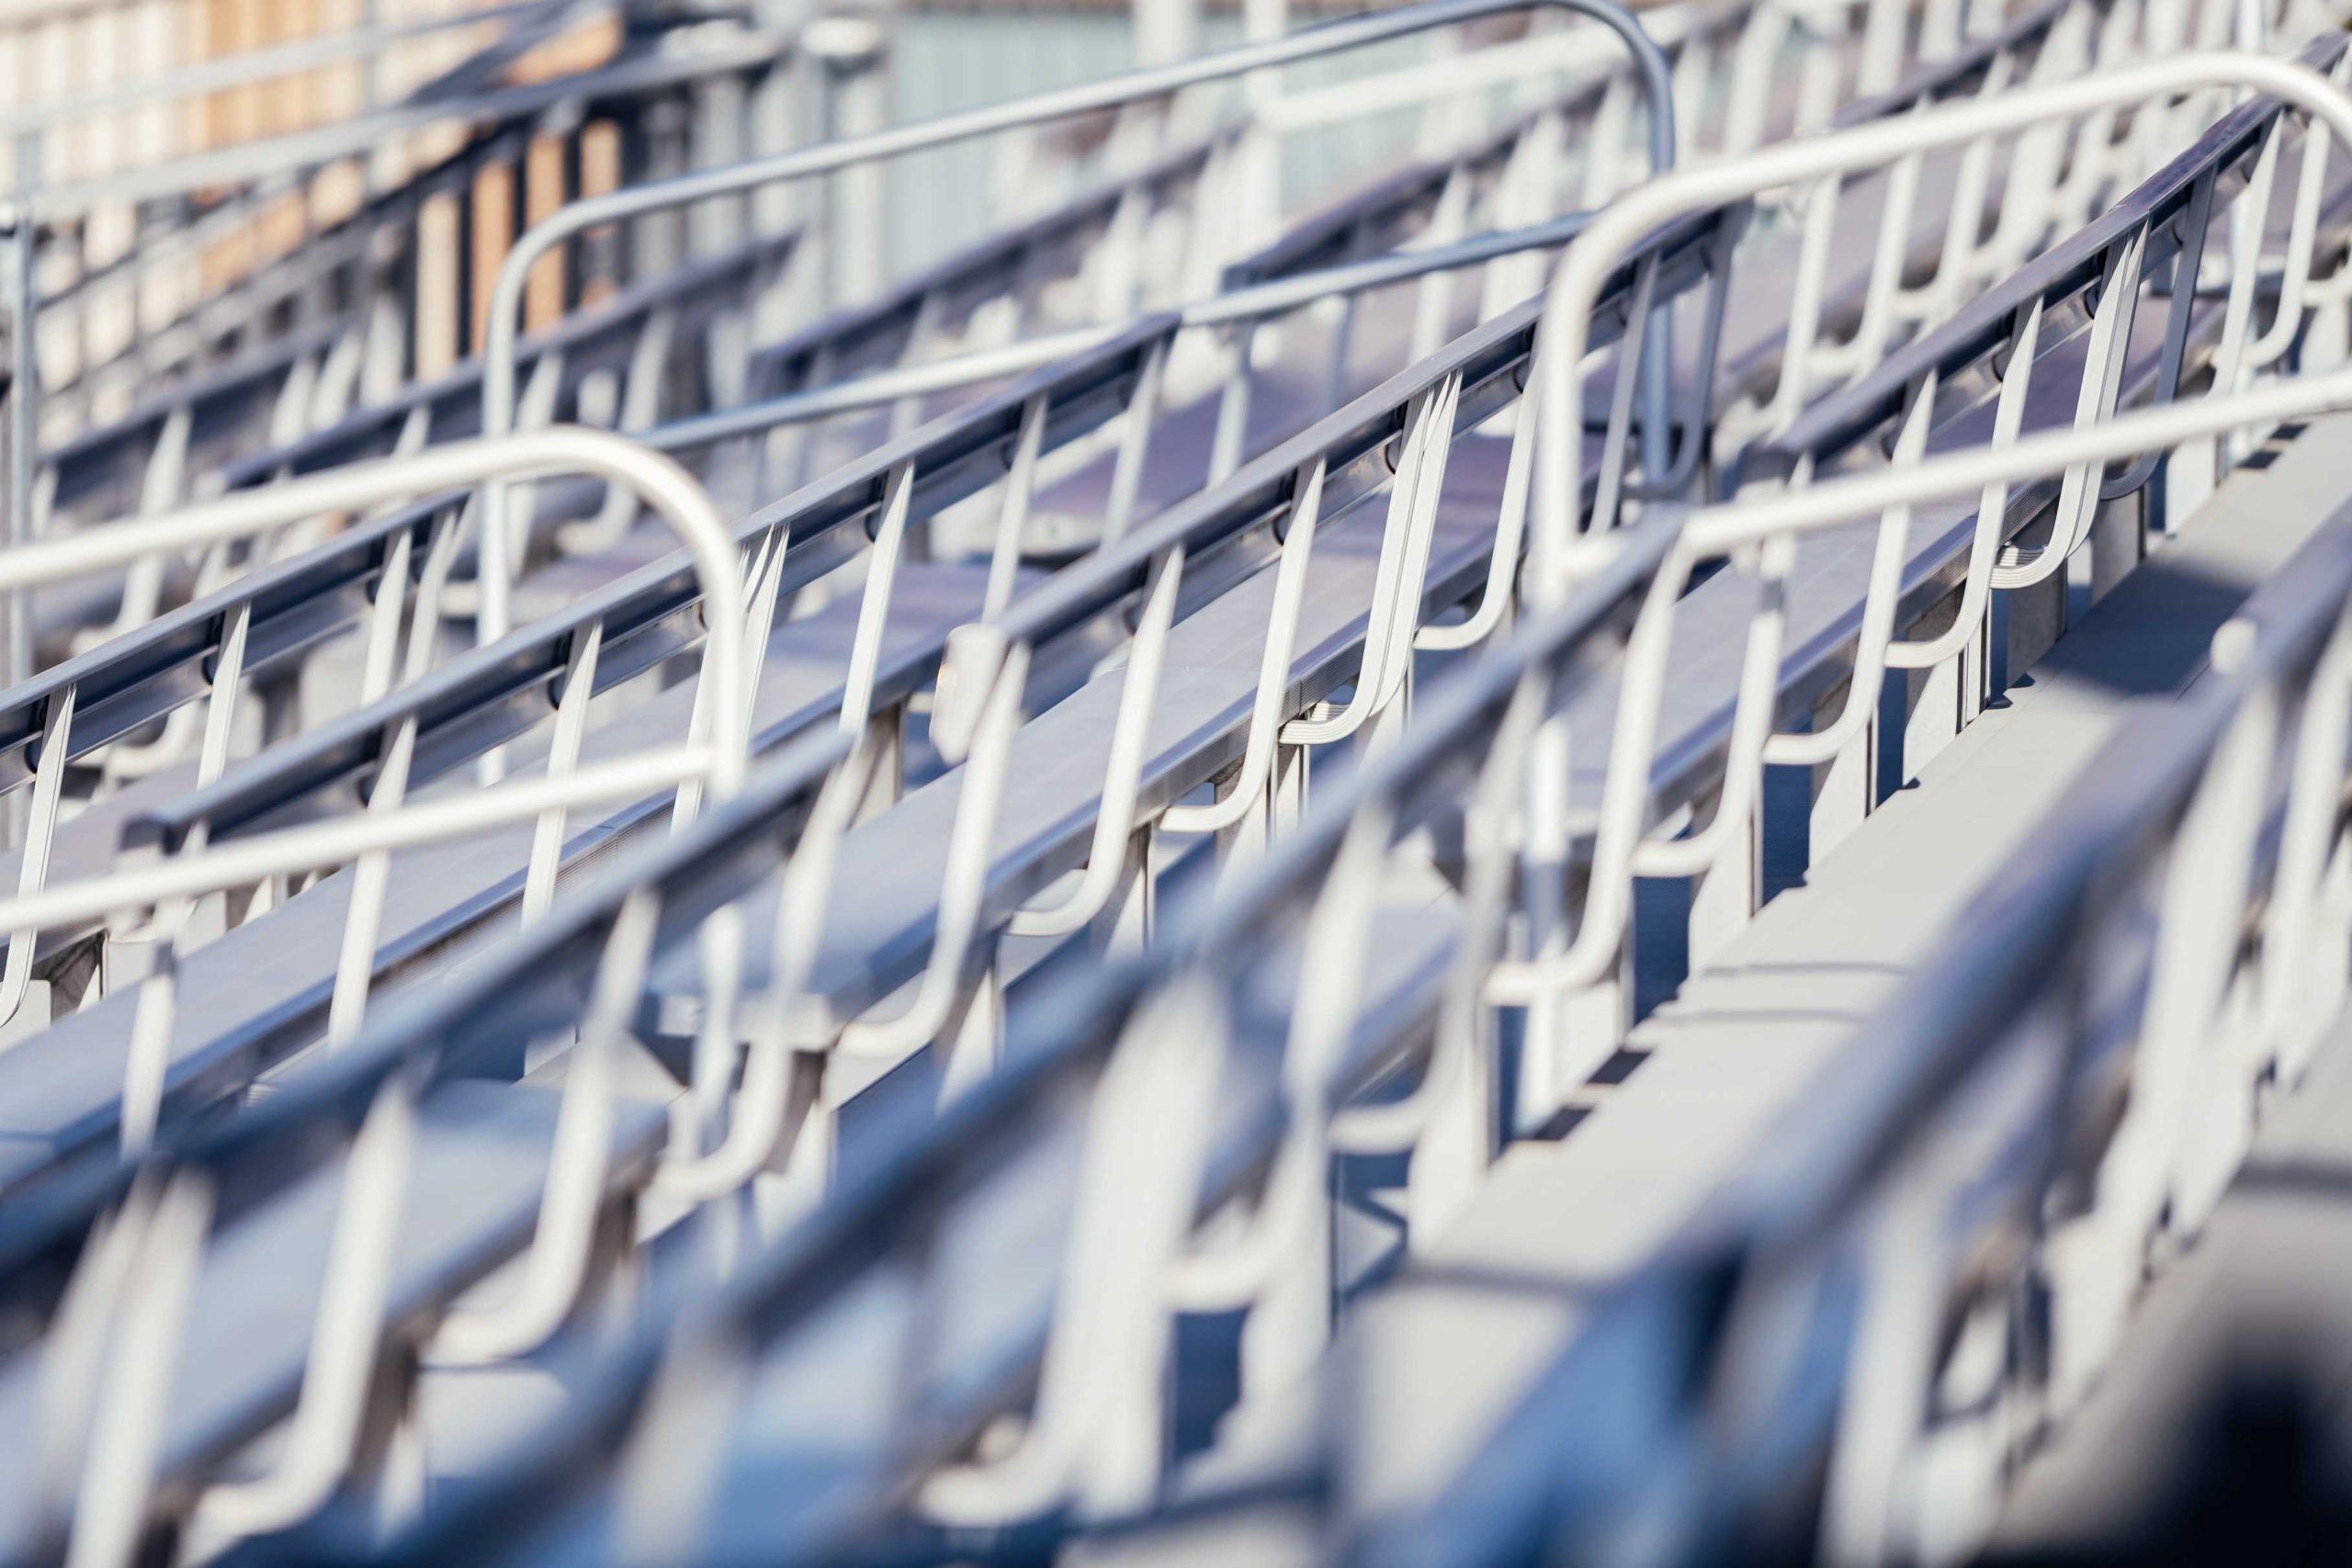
(1065, 513)
(1826, 588)
(691, 298)
(257, 995)
(1747, 351)
(1726, 1063)
(298, 605)
(808, 1451)
(812, 1446)
(846, 341)
(878, 929)
(481, 1159)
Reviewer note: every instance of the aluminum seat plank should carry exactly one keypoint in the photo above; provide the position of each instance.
(878, 928)
(808, 1451)
(1826, 587)
(479, 1164)
(1728, 1060)
(241, 995)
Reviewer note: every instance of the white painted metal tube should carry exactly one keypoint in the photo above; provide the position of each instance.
(1256, 302)
(1598, 253)
(1749, 521)
(319, 845)
(1731, 525)
(503, 326)
(659, 481)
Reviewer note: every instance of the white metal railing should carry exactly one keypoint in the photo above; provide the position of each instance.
(498, 551)
(714, 752)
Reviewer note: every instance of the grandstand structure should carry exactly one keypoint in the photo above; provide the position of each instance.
(1536, 783)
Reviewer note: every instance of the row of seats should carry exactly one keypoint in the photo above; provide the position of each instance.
(1163, 1050)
